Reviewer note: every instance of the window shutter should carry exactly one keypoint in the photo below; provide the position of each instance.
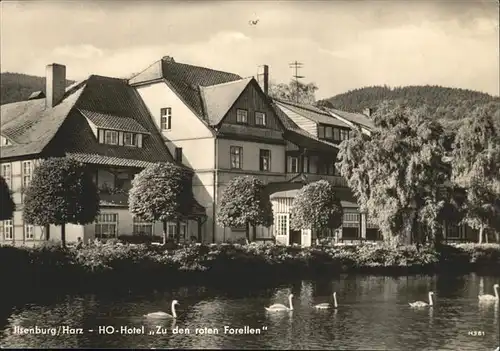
(139, 140)
(120, 138)
(100, 134)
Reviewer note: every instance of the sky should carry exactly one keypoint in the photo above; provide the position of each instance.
(343, 45)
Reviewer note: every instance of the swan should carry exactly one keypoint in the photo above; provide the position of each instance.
(279, 307)
(326, 305)
(424, 304)
(488, 297)
(164, 314)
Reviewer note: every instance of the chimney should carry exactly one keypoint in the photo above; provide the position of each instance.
(367, 111)
(263, 78)
(168, 59)
(55, 84)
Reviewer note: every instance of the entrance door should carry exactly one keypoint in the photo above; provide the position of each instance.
(306, 237)
(282, 228)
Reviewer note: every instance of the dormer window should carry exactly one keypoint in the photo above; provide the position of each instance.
(4, 141)
(241, 116)
(111, 137)
(129, 139)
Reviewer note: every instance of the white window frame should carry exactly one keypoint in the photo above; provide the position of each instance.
(4, 141)
(29, 231)
(7, 229)
(265, 161)
(241, 116)
(6, 172)
(236, 153)
(290, 164)
(108, 221)
(133, 139)
(260, 116)
(166, 118)
(111, 133)
(27, 173)
(140, 225)
(172, 229)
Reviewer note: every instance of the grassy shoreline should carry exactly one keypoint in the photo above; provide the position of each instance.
(124, 266)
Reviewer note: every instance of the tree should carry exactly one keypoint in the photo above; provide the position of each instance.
(159, 194)
(397, 174)
(245, 202)
(61, 192)
(316, 207)
(7, 206)
(294, 91)
(476, 167)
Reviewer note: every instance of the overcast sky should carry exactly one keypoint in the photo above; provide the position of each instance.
(343, 44)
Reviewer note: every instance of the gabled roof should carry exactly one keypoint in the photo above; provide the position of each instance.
(356, 118)
(107, 121)
(219, 98)
(63, 130)
(311, 112)
(298, 136)
(185, 80)
(31, 126)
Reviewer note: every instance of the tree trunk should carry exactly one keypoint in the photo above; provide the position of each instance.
(247, 230)
(63, 235)
(178, 232)
(47, 232)
(164, 232)
(481, 232)
(254, 233)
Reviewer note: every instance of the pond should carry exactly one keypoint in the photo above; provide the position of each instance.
(373, 314)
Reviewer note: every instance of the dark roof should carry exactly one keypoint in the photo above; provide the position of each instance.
(31, 126)
(63, 129)
(106, 121)
(311, 112)
(187, 81)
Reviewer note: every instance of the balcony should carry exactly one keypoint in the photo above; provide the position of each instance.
(338, 181)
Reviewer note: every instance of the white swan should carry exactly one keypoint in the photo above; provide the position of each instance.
(325, 305)
(164, 314)
(279, 307)
(488, 297)
(424, 304)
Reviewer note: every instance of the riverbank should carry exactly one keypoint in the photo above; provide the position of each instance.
(125, 266)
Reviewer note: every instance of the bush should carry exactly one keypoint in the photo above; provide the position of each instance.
(114, 264)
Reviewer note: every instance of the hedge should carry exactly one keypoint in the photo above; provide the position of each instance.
(117, 265)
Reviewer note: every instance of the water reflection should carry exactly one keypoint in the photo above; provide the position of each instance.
(373, 314)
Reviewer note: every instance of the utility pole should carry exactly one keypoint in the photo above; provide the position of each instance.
(296, 65)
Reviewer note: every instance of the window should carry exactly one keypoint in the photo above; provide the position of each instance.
(6, 172)
(241, 116)
(111, 137)
(28, 232)
(5, 141)
(26, 173)
(336, 134)
(305, 164)
(178, 154)
(321, 132)
(350, 225)
(106, 225)
(236, 153)
(293, 164)
(265, 160)
(453, 230)
(172, 229)
(328, 133)
(7, 230)
(260, 118)
(344, 134)
(166, 118)
(129, 139)
(142, 227)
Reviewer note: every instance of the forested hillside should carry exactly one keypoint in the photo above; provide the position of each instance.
(448, 102)
(18, 87)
